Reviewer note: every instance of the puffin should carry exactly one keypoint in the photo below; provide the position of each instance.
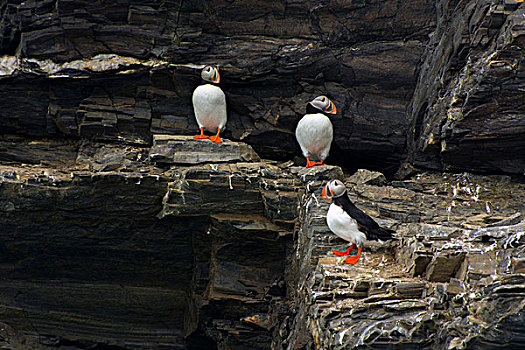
(314, 131)
(349, 222)
(209, 105)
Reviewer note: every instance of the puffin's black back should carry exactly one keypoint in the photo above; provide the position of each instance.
(365, 223)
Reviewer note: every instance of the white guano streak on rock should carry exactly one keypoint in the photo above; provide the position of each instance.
(9, 65)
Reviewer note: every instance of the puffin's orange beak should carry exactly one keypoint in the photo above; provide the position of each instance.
(216, 77)
(324, 191)
(331, 108)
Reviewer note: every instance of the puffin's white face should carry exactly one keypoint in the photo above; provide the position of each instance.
(324, 104)
(334, 189)
(211, 74)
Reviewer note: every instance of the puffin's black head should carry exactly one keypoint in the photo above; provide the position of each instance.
(321, 103)
(334, 189)
(211, 74)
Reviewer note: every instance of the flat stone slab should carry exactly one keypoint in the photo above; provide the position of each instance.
(179, 149)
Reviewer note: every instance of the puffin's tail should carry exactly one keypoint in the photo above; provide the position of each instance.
(382, 234)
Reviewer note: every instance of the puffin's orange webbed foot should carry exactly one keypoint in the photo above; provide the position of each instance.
(216, 138)
(309, 163)
(353, 259)
(201, 135)
(343, 252)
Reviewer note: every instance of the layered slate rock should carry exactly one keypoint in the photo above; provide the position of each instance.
(168, 149)
(212, 256)
(86, 262)
(453, 277)
(241, 257)
(103, 247)
(467, 112)
(124, 72)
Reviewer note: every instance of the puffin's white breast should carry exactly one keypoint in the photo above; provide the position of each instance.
(343, 225)
(314, 133)
(209, 105)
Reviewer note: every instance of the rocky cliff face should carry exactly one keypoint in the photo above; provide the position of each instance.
(124, 71)
(467, 110)
(121, 232)
(117, 250)
(453, 278)
(120, 252)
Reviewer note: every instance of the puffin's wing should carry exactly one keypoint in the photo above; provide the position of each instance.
(364, 222)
